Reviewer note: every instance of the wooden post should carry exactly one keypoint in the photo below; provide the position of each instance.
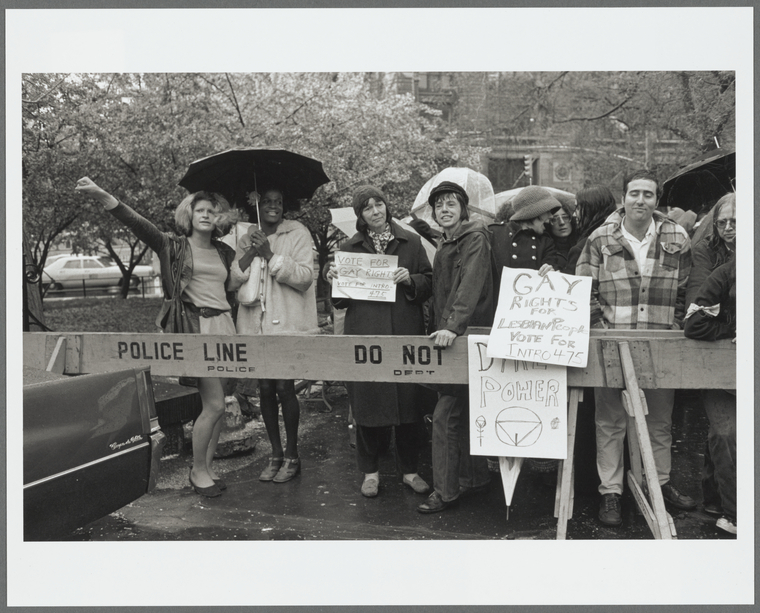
(565, 484)
(652, 359)
(57, 363)
(634, 453)
(635, 404)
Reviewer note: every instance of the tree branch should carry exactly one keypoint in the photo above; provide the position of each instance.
(688, 97)
(287, 117)
(559, 77)
(128, 165)
(234, 99)
(602, 116)
(46, 94)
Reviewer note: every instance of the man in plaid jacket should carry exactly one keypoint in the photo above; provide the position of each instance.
(639, 261)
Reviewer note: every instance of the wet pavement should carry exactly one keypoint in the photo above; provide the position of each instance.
(324, 503)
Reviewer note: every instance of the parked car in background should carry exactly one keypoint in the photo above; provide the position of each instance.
(92, 444)
(70, 271)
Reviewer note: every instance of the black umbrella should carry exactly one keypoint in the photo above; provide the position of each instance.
(699, 184)
(236, 172)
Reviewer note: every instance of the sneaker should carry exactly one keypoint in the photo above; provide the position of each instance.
(610, 510)
(726, 524)
(370, 487)
(680, 501)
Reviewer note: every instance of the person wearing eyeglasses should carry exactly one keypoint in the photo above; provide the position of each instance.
(563, 228)
(713, 274)
(715, 248)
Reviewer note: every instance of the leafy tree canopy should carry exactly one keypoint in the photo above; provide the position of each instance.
(135, 135)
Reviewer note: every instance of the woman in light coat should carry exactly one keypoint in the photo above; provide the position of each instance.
(288, 307)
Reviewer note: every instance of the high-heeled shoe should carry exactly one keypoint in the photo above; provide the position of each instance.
(212, 491)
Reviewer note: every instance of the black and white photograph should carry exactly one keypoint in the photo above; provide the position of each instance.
(480, 331)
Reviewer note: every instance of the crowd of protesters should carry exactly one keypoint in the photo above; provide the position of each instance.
(645, 272)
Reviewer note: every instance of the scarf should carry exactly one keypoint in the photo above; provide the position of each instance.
(381, 240)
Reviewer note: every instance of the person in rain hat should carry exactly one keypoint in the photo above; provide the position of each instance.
(524, 242)
(462, 297)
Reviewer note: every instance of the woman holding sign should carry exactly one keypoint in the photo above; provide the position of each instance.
(463, 295)
(283, 248)
(378, 406)
(197, 265)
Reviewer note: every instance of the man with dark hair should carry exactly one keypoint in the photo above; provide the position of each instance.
(462, 297)
(643, 174)
(639, 261)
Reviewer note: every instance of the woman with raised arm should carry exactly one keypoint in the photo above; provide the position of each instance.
(203, 264)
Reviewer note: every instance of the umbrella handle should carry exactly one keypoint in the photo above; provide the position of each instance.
(256, 201)
(256, 189)
(258, 215)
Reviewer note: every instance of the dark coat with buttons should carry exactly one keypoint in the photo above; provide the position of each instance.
(513, 246)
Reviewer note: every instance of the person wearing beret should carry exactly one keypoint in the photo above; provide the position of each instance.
(378, 408)
(463, 295)
(524, 242)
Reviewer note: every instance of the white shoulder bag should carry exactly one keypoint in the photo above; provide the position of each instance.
(253, 291)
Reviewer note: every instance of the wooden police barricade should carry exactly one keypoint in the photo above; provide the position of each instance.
(630, 360)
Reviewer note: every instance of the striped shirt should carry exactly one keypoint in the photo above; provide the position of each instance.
(629, 297)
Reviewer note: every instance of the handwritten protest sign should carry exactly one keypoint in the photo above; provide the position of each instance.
(365, 276)
(542, 319)
(517, 409)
